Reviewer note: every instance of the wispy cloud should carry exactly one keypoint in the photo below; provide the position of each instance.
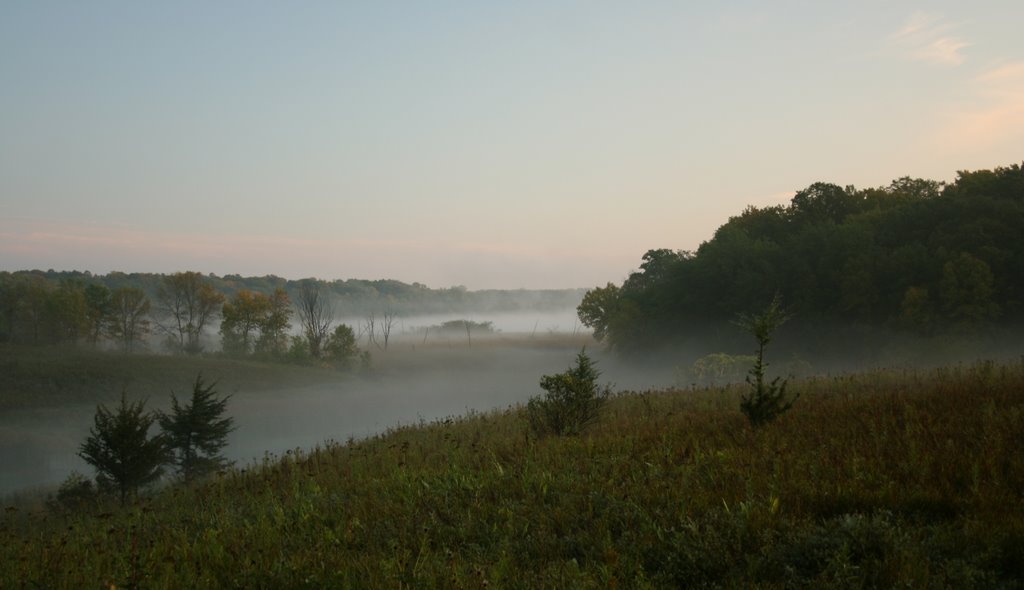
(928, 38)
(1004, 79)
(996, 113)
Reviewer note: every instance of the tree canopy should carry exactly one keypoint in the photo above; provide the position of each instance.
(917, 257)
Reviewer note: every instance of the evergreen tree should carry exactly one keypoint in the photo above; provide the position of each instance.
(572, 401)
(120, 449)
(765, 401)
(196, 432)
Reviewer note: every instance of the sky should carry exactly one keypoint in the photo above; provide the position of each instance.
(487, 144)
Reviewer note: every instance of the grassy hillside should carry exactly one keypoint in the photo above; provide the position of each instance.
(884, 479)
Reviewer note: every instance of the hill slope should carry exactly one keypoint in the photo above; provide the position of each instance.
(881, 479)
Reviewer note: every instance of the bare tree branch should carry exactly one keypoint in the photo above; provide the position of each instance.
(316, 313)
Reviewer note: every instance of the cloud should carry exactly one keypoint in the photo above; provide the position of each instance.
(927, 38)
(1004, 79)
(995, 113)
(985, 114)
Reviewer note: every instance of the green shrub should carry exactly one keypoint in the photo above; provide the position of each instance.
(75, 493)
(572, 401)
(341, 347)
(299, 351)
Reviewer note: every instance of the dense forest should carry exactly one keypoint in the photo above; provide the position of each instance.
(918, 259)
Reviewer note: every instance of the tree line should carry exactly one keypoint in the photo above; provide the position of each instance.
(182, 309)
(254, 313)
(351, 297)
(917, 257)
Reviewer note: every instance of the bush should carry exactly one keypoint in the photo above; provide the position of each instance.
(75, 493)
(299, 351)
(572, 401)
(465, 326)
(341, 347)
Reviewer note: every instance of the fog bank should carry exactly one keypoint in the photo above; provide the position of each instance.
(38, 447)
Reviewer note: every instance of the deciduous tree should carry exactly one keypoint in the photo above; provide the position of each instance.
(387, 323)
(273, 338)
(98, 307)
(67, 312)
(244, 317)
(341, 347)
(598, 308)
(35, 296)
(316, 313)
(966, 290)
(186, 302)
(127, 322)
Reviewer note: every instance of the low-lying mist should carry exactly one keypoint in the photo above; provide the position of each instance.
(410, 382)
(426, 374)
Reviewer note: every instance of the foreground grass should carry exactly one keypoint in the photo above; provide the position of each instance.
(876, 480)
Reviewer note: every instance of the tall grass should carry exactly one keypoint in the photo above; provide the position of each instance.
(890, 478)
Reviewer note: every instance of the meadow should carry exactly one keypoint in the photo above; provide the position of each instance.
(879, 479)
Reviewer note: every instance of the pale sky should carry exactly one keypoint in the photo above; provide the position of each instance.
(487, 144)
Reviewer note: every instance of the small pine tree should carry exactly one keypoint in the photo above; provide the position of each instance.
(120, 449)
(196, 432)
(766, 401)
(572, 401)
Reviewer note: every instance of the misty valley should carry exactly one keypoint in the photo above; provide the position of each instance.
(828, 393)
(424, 376)
(512, 295)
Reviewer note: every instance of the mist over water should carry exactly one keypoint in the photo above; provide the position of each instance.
(481, 380)
(509, 323)
(424, 375)
(38, 446)
(411, 382)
